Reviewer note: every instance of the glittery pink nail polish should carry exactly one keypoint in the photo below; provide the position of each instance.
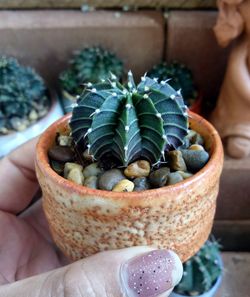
(151, 274)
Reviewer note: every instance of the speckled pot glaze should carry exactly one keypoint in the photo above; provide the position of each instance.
(84, 221)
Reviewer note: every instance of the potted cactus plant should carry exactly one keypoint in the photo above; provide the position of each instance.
(88, 65)
(180, 78)
(25, 105)
(121, 133)
(202, 273)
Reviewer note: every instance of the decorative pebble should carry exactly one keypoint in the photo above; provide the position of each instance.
(87, 156)
(176, 161)
(109, 179)
(124, 185)
(19, 124)
(69, 166)
(173, 178)
(141, 184)
(57, 167)
(195, 138)
(76, 176)
(190, 136)
(196, 147)
(64, 140)
(185, 175)
(91, 182)
(33, 115)
(140, 168)
(159, 177)
(61, 153)
(195, 160)
(92, 170)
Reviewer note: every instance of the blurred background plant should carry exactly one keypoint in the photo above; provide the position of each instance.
(201, 272)
(23, 96)
(90, 65)
(179, 77)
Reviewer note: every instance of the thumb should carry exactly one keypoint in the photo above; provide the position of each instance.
(137, 271)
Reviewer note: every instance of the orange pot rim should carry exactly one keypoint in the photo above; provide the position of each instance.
(42, 162)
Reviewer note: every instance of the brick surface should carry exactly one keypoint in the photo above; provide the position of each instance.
(234, 195)
(190, 39)
(107, 3)
(235, 282)
(45, 39)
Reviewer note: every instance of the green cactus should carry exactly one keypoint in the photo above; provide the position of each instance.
(90, 65)
(23, 96)
(129, 121)
(201, 271)
(180, 78)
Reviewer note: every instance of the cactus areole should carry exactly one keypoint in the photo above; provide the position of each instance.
(130, 122)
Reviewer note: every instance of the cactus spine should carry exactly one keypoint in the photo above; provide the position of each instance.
(90, 65)
(129, 121)
(201, 271)
(180, 78)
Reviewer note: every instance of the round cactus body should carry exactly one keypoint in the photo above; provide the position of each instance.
(129, 122)
(180, 78)
(90, 65)
(23, 96)
(201, 271)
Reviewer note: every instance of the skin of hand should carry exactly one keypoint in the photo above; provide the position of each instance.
(31, 265)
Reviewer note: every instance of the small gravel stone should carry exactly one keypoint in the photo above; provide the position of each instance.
(176, 161)
(57, 167)
(196, 147)
(19, 124)
(64, 140)
(190, 136)
(87, 156)
(109, 179)
(195, 160)
(141, 184)
(69, 166)
(124, 185)
(61, 153)
(173, 178)
(33, 115)
(159, 177)
(91, 182)
(92, 170)
(185, 175)
(198, 139)
(140, 168)
(76, 176)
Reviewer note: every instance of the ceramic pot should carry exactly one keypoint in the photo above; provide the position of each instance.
(13, 140)
(84, 221)
(209, 293)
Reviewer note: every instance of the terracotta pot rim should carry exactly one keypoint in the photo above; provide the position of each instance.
(42, 162)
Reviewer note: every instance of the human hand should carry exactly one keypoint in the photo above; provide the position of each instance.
(26, 249)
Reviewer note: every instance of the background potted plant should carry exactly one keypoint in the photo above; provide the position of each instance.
(202, 273)
(26, 108)
(89, 65)
(131, 122)
(180, 78)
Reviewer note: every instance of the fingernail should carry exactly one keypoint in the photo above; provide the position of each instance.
(151, 274)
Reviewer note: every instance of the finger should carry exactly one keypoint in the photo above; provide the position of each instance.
(18, 179)
(138, 271)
